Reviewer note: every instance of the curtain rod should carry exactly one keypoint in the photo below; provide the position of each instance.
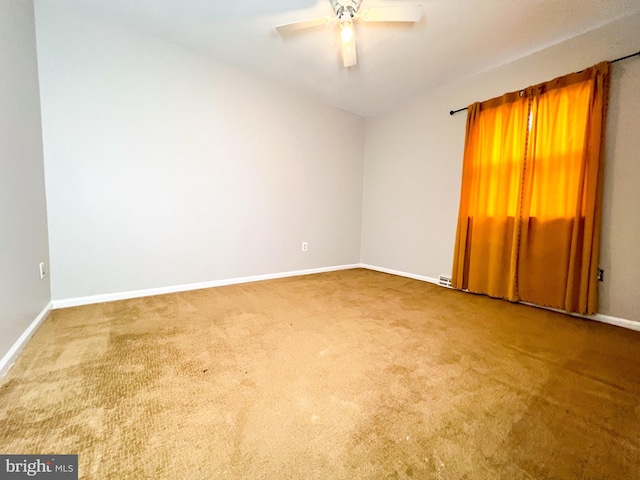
(453, 112)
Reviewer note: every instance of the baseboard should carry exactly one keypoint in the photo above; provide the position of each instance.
(73, 302)
(400, 274)
(111, 297)
(619, 322)
(598, 317)
(10, 357)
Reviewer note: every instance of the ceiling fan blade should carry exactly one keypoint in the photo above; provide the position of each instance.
(302, 24)
(409, 13)
(349, 57)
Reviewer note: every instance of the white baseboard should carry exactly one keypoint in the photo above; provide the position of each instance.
(598, 317)
(619, 322)
(10, 357)
(111, 297)
(400, 274)
(73, 302)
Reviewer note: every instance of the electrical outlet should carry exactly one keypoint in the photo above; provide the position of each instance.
(305, 246)
(42, 272)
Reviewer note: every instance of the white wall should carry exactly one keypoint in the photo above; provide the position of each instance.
(413, 164)
(165, 168)
(23, 214)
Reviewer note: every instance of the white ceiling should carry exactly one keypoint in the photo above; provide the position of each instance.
(396, 62)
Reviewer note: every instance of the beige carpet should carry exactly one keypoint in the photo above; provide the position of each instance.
(346, 375)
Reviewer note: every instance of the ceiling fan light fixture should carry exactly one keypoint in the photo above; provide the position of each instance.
(349, 57)
(346, 32)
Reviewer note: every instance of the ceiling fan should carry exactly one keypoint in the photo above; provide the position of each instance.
(346, 11)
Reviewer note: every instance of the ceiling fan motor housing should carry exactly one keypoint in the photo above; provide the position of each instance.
(342, 7)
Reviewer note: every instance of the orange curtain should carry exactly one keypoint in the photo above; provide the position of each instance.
(530, 206)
